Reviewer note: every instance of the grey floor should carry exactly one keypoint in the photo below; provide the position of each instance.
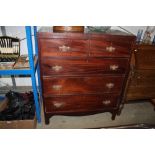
(133, 113)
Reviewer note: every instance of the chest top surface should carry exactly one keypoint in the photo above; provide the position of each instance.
(47, 32)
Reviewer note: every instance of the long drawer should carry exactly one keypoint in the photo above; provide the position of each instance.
(82, 85)
(64, 47)
(74, 103)
(83, 66)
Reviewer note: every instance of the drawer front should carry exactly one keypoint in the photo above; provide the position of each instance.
(82, 85)
(101, 48)
(138, 92)
(82, 66)
(63, 47)
(80, 103)
(143, 78)
(145, 57)
(116, 40)
(142, 85)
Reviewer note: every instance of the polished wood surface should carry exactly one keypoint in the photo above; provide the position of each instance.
(83, 73)
(140, 93)
(64, 47)
(83, 66)
(82, 85)
(80, 102)
(101, 48)
(142, 83)
(144, 78)
(145, 57)
(68, 28)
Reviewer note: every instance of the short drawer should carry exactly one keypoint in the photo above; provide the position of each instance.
(82, 85)
(115, 40)
(82, 66)
(63, 47)
(80, 103)
(101, 48)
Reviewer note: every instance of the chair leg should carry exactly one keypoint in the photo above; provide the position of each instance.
(47, 120)
(153, 102)
(114, 115)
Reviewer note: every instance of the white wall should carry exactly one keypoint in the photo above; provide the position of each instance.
(19, 31)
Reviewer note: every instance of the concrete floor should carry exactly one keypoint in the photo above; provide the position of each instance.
(133, 113)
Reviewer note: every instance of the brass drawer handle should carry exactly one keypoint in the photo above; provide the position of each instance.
(110, 85)
(110, 49)
(64, 48)
(56, 68)
(58, 104)
(106, 102)
(114, 67)
(57, 87)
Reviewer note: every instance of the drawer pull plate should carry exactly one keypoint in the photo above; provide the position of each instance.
(57, 87)
(106, 102)
(56, 68)
(64, 48)
(58, 104)
(114, 67)
(110, 85)
(110, 49)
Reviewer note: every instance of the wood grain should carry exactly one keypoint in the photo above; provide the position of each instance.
(142, 84)
(83, 73)
(54, 47)
(84, 66)
(145, 57)
(99, 48)
(81, 102)
(82, 85)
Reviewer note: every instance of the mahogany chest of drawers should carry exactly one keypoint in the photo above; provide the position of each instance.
(83, 73)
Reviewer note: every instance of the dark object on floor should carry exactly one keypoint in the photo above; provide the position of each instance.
(20, 106)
